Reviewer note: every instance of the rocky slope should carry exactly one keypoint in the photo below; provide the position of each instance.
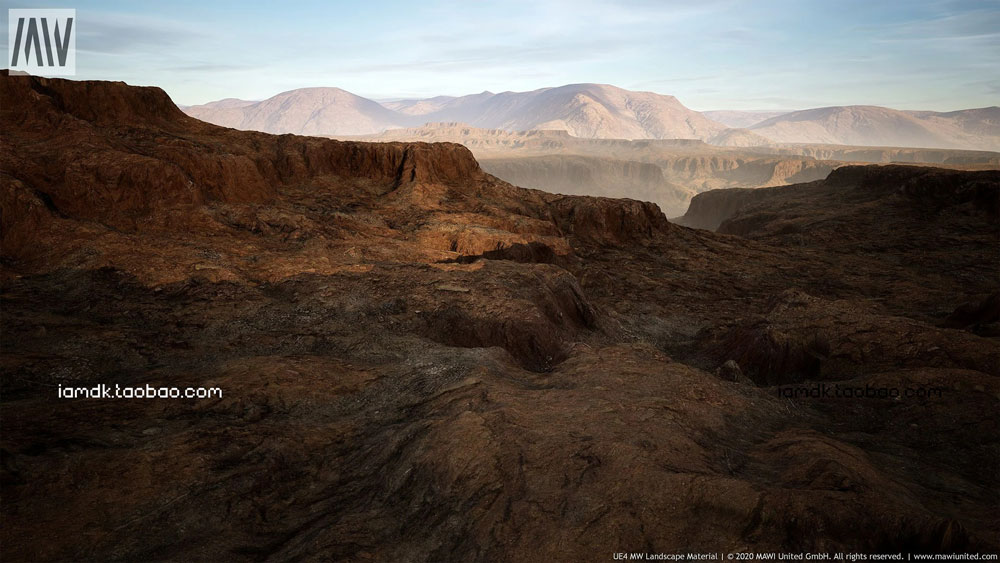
(422, 362)
(709, 209)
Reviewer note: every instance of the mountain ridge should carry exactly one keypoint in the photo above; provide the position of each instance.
(585, 110)
(604, 111)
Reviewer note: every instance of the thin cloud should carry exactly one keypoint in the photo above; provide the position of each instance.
(116, 34)
(208, 67)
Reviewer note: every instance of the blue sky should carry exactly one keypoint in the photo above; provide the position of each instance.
(711, 54)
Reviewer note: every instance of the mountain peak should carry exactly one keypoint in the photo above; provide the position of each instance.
(584, 109)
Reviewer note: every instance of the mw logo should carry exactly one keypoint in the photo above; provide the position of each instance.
(42, 41)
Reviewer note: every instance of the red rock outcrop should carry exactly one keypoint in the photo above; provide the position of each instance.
(118, 154)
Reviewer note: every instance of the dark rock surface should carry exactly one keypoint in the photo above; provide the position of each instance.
(420, 362)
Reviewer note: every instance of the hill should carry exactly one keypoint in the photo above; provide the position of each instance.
(306, 111)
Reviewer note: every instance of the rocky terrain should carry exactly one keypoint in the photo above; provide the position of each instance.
(422, 362)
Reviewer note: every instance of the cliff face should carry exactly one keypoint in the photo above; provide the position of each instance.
(669, 181)
(107, 151)
(610, 222)
(593, 176)
(714, 172)
(119, 155)
(709, 209)
(886, 155)
(418, 361)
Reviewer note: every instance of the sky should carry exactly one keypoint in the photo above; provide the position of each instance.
(712, 54)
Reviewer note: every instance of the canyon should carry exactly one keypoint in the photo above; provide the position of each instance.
(668, 172)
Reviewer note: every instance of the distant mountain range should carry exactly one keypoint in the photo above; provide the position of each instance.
(879, 126)
(584, 110)
(607, 112)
